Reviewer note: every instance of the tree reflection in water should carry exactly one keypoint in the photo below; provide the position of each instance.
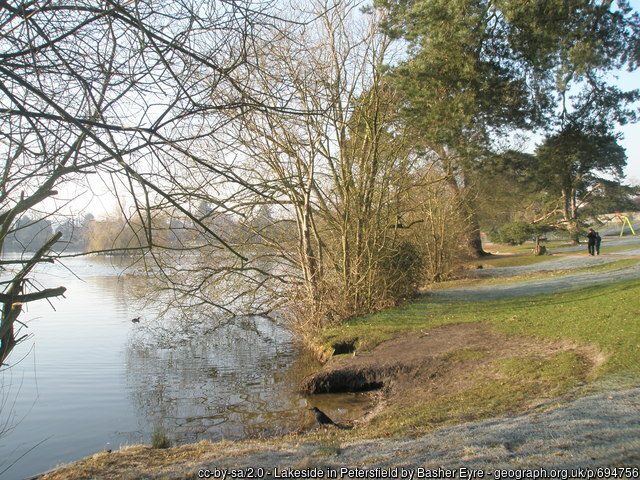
(236, 381)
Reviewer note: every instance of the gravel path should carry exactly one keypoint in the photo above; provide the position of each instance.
(572, 262)
(550, 284)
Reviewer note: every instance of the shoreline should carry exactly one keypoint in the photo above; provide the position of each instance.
(558, 397)
(567, 436)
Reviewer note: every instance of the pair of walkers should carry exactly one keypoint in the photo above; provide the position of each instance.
(593, 242)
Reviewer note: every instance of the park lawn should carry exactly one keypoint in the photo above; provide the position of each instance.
(525, 248)
(603, 316)
(603, 319)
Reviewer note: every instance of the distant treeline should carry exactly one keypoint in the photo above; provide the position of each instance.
(28, 234)
(116, 233)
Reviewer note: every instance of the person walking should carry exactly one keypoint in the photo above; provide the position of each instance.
(598, 241)
(591, 241)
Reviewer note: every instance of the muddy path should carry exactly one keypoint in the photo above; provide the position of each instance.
(420, 368)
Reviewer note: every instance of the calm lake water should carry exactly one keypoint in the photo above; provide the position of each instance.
(88, 379)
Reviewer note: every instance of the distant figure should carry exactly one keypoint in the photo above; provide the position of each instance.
(591, 241)
(598, 241)
(321, 417)
(135, 320)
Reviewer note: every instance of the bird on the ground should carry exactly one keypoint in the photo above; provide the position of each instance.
(321, 417)
(135, 320)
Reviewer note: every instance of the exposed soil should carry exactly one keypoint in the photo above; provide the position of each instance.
(423, 365)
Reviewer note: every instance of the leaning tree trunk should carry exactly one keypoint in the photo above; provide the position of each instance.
(474, 240)
(13, 298)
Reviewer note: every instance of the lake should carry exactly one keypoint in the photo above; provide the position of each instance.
(88, 379)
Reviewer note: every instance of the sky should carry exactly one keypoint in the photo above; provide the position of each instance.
(101, 203)
(631, 132)
(631, 143)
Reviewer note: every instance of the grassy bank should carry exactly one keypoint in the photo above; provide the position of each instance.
(603, 316)
(592, 334)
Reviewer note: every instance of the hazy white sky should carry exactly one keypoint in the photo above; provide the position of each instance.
(103, 202)
(631, 142)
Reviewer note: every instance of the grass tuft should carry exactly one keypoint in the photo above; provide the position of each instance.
(159, 438)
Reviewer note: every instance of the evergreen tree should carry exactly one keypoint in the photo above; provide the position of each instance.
(477, 68)
(575, 166)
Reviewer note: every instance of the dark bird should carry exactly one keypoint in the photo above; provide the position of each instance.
(321, 417)
(135, 320)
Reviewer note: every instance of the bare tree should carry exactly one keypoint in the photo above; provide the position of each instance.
(118, 90)
(260, 155)
(331, 166)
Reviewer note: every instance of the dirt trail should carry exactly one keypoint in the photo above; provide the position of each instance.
(423, 361)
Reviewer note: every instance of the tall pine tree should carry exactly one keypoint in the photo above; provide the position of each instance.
(479, 67)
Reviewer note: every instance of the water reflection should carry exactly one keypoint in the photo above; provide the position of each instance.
(234, 382)
(92, 380)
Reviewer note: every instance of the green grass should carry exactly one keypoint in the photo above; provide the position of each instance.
(558, 371)
(505, 386)
(603, 316)
(526, 247)
(606, 317)
(159, 438)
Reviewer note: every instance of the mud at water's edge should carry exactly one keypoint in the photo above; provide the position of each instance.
(428, 364)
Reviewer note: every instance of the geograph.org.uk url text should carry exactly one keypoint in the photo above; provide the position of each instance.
(406, 473)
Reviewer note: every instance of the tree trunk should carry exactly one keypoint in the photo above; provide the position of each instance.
(570, 214)
(474, 240)
(13, 297)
